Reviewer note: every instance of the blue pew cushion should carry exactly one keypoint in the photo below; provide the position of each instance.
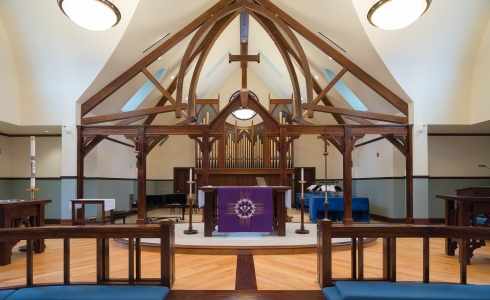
(407, 291)
(6, 293)
(92, 292)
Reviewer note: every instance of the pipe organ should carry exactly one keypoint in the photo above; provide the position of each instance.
(244, 147)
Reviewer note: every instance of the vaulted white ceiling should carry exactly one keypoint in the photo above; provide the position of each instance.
(57, 63)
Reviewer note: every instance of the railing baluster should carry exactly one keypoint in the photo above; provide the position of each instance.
(386, 258)
(29, 263)
(393, 259)
(360, 253)
(463, 248)
(131, 260)
(99, 254)
(353, 259)
(66, 261)
(426, 260)
(138, 259)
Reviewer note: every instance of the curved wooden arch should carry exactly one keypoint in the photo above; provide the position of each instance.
(287, 60)
(306, 68)
(213, 19)
(191, 107)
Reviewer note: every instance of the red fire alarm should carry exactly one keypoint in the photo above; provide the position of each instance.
(377, 154)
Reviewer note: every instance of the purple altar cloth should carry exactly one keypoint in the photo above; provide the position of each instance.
(245, 209)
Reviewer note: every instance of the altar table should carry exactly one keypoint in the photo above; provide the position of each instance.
(15, 213)
(210, 214)
(315, 204)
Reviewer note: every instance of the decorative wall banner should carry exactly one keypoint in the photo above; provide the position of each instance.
(245, 209)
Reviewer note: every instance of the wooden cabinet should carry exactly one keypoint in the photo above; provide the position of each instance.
(181, 176)
(309, 177)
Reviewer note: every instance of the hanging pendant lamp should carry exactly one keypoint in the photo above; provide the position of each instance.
(94, 15)
(396, 14)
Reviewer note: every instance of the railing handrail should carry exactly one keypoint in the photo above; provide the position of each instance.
(59, 232)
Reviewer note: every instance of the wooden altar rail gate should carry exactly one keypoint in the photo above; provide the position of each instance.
(389, 234)
(164, 231)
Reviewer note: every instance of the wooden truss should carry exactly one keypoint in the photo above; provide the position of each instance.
(279, 25)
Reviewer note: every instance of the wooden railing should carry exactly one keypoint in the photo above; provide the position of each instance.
(102, 234)
(389, 234)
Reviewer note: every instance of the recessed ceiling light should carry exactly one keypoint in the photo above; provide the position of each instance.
(301, 98)
(46, 131)
(159, 57)
(316, 77)
(329, 57)
(172, 77)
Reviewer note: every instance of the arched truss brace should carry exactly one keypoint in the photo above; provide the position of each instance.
(251, 8)
(191, 108)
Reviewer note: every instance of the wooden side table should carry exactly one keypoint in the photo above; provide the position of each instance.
(79, 218)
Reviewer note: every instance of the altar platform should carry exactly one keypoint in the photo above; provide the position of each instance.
(241, 243)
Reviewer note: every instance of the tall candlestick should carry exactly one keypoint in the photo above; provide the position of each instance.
(190, 174)
(302, 174)
(33, 161)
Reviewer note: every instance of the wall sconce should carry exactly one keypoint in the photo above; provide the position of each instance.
(66, 130)
(423, 128)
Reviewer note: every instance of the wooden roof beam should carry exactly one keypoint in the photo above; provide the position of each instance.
(330, 85)
(367, 79)
(355, 113)
(134, 113)
(122, 79)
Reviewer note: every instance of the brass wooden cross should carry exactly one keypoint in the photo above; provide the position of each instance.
(243, 58)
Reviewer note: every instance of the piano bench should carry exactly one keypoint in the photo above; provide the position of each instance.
(118, 214)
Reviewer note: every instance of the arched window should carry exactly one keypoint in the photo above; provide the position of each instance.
(144, 91)
(244, 113)
(344, 91)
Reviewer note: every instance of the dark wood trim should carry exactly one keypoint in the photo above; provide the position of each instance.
(458, 134)
(119, 142)
(257, 295)
(377, 178)
(475, 177)
(29, 135)
(244, 250)
(369, 142)
(245, 273)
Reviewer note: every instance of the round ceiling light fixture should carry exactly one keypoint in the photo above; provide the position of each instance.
(243, 113)
(94, 15)
(396, 14)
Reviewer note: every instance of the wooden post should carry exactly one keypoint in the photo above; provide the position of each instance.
(167, 258)
(409, 176)
(141, 150)
(347, 164)
(80, 163)
(325, 252)
(205, 156)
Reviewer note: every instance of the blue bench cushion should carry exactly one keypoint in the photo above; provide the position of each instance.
(6, 293)
(92, 292)
(406, 291)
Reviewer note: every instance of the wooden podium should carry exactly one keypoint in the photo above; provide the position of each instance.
(462, 210)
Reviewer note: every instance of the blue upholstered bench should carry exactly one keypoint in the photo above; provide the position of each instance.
(363, 290)
(6, 293)
(88, 292)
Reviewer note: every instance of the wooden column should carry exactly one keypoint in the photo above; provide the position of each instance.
(347, 177)
(205, 156)
(409, 176)
(141, 163)
(80, 163)
(283, 150)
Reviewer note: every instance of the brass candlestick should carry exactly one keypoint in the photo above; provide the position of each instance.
(302, 229)
(190, 200)
(33, 190)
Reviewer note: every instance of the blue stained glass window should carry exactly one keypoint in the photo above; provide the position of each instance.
(344, 91)
(144, 91)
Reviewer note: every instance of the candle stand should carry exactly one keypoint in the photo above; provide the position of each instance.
(302, 229)
(33, 190)
(190, 201)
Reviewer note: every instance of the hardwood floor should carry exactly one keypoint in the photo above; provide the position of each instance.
(219, 272)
